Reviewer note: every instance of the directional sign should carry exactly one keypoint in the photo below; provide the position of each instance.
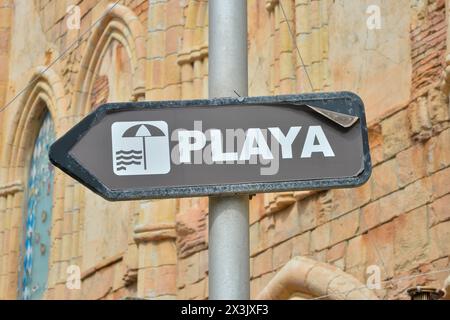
(170, 149)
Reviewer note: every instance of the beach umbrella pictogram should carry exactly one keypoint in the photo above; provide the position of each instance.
(144, 131)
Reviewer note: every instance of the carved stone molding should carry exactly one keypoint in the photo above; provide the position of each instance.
(11, 188)
(147, 233)
(445, 82)
(279, 201)
(300, 195)
(191, 228)
(101, 265)
(196, 53)
(270, 4)
(130, 276)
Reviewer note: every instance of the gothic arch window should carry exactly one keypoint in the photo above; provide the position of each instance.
(111, 82)
(38, 215)
(112, 69)
(115, 47)
(113, 76)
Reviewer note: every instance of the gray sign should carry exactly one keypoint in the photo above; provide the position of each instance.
(222, 146)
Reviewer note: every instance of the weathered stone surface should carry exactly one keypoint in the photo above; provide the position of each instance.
(287, 223)
(356, 252)
(439, 109)
(189, 269)
(344, 227)
(370, 216)
(440, 235)
(417, 194)
(440, 210)
(396, 136)
(341, 203)
(380, 249)
(411, 239)
(376, 57)
(320, 237)
(157, 254)
(392, 205)
(419, 119)
(376, 143)
(263, 263)
(191, 226)
(411, 164)
(301, 244)
(439, 152)
(384, 179)
(282, 253)
(440, 182)
(336, 252)
(428, 35)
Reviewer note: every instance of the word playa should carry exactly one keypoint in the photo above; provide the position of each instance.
(255, 144)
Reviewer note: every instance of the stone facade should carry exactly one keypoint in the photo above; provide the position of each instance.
(158, 50)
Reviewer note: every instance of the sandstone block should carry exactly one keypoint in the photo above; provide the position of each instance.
(440, 210)
(384, 179)
(282, 253)
(301, 244)
(410, 239)
(344, 227)
(411, 164)
(396, 136)
(320, 237)
(262, 263)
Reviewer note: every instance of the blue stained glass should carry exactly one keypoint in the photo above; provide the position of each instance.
(36, 249)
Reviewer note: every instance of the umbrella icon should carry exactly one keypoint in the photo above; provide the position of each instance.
(144, 131)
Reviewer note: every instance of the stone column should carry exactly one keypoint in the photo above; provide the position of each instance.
(287, 52)
(11, 196)
(6, 10)
(155, 237)
(156, 50)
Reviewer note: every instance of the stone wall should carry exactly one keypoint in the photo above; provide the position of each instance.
(399, 219)
(5, 29)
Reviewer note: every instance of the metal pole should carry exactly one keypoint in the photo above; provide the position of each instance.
(229, 255)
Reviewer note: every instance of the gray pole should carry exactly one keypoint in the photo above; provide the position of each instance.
(229, 254)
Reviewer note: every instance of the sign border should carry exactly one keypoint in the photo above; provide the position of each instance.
(60, 156)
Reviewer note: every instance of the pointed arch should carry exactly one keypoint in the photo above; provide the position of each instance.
(46, 91)
(120, 24)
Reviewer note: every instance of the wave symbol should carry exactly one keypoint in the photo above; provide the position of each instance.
(121, 152)
(120, 163)
(129, 158)
(125, 158)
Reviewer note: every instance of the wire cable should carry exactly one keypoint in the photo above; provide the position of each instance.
(65, 51)
(296, 46)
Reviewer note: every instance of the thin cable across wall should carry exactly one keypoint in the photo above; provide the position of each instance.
(296, 46)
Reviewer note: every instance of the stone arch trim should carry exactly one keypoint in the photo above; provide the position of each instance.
(46, 88)
(121, 24)
(45, 92)
(195, 36)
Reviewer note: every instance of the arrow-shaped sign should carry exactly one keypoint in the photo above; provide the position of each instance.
(191, 148)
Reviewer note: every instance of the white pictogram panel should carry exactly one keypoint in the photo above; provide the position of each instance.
(140, 148)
